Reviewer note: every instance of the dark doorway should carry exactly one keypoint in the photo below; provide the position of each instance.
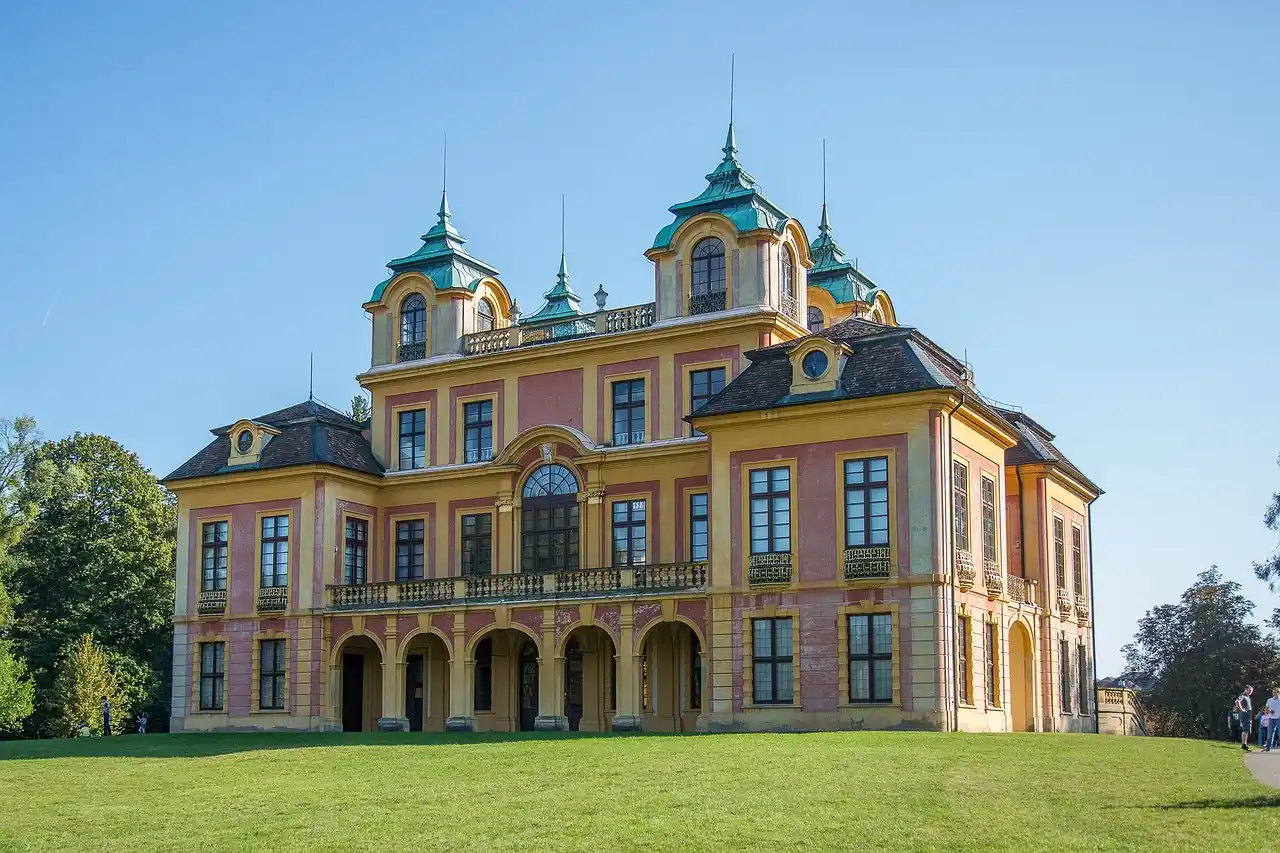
(413, 692)
(573, 684)
(352, 693)
(528, 686)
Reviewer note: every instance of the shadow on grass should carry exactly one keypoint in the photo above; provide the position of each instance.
(1266, 801)
(225, 743)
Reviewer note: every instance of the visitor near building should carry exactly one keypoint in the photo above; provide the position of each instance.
(1244, 716)
(1273, 714)
(106, 717)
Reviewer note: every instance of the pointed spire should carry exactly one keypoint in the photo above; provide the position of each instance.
(563, 276)
(444, 213)
(730, 141)
(561, 301)
(824, 227)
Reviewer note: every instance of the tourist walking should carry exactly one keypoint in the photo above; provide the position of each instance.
(106, 717)
(1244, 715)
(143, 719)
(1273, 714)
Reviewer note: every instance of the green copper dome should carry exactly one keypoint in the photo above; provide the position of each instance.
(832, 271)
(731, 192)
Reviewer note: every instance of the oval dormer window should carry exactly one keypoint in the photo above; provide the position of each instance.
(244, 441)
(815, 364)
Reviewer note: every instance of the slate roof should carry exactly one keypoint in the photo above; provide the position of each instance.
(1035, 445)
(310, 433)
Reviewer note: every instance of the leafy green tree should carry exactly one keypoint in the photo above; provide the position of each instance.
(97, 559)
(359, 411)
(18, 441)
(1269, 569)
(1194, 657)
(17, 693)
(85, 678)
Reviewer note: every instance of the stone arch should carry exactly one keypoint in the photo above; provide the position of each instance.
(545, 434)
(494, 627)
(336, 648)
(798, 240)
(675, 617)
(431, 630)
(563, 641)
(1021, 676)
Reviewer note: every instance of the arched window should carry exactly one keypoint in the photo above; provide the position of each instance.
(788, 274)
(413, 328)
(707, 277)
(816, 321)
(484, 316)
(549, 520)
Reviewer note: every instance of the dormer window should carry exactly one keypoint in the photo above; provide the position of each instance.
(244, 441)
(708, 293)
(247, 439)
(816, 365)
(413, 328)
(484, 316)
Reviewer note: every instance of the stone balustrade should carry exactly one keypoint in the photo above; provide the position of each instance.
(966, 573)
(1082, 607)
(1021, 590)
(1064, 602)
(993, 578)
(605, 322)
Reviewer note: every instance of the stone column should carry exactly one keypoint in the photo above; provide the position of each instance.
(392, 720)
(550, 681)
(461, 678)
(627, 716)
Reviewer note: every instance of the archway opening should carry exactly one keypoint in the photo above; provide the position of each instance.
(1021, 708)
(504, 683)
(359, 693)
(590, 673)
(671, 678)
(426, 683)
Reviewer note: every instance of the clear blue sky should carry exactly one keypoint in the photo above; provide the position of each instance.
(195, 197)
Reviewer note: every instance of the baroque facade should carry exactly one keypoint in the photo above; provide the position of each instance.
(756, 502)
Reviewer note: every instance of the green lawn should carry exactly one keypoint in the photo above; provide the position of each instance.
(874, 790)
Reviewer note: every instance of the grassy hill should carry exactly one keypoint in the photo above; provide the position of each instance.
(868, 791)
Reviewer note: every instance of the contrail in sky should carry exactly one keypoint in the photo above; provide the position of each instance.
(50, 311)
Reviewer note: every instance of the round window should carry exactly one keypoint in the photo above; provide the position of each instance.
(815, 364)
(244, 441)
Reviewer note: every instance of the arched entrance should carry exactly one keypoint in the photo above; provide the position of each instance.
(1021, 706)
(671, 672)
(504, 681)
(426, 683)
(549, 520)
(590, 689)
(359, 684)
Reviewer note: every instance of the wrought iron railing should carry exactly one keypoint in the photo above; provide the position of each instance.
(867, 562)
(614, 320)
(791, 307)
(993, 578)
(273, 599)
(1021, 590)
(769, 568)
(412, 351)
(571, 583)
(966, 574)
(705, 303)
(211, 602)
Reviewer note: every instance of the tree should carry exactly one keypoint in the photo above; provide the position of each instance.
(18, 441)
(1269, 569)
(1196, 656)
(17, 692)
(97, 559)
(85, 678)
(359, 411)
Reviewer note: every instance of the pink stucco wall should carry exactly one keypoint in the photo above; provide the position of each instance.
(387, 570)
(495, 387)
(551, 398)
(604, 394)
(682, 361)
(427, 399)
(242, 559)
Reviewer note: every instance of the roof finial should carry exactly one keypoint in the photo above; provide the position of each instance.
(563, 277)
(730, 142)
(444, 184)
(824, 227)
(311, 381)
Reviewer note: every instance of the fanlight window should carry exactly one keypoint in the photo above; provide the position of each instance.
(484, 316)
(708, 266)
(413, 320)
(816, 321)
(788, 273)
(549, 481)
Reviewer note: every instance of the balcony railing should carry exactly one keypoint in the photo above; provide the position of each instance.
(867, 563)
(1021, 590)
(1082, 607)
(621, 439)
(705, 303)
(791, 307)
(769, 568)
(412, 351)
(273, 599)
(1064, 601)
(993, 578)
(526, 334)
(966, 574)
(483, 454)
(211, 602)
(523, 586)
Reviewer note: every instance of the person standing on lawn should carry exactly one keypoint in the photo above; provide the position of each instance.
(106, 717)
(1244, 715)
(1264, 725)
(1273, 712)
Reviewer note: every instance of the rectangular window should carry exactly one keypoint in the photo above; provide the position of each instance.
(477, 439)
(866, 502)
(771, 511)
(549, 535)
(962, 659)
(410, 549)
(699, 528)
(629, 540)
(1064, 674)
(771, 658)
(477, 544)
(275, 550)
(212, 675)
(1059, 555)
(988, 519)
(871, 658)
(960, 503)
(989, 644)
(355, 559)
(413, 439)
(703, 385)
(271, 674)
(1077, 560)
(628, 412)
(1084, 678)
(213, 572)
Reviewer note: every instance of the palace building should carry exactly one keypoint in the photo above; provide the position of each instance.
(756, 502)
